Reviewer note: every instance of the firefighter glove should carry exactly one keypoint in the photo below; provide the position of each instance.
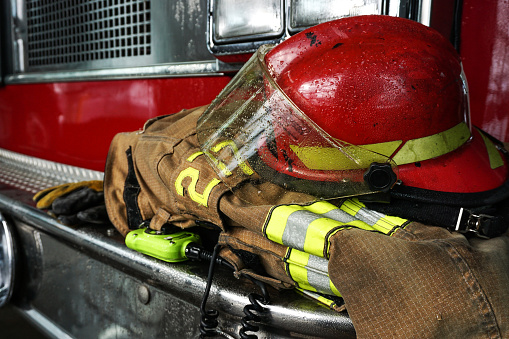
(75, 203)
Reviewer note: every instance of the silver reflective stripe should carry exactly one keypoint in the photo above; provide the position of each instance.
(309, 227)
(339, 215)
(368, 216)
(309, 272)
(318, 274)
(296, 228)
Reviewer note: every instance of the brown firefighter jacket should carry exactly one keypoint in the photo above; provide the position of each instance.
(397, 278)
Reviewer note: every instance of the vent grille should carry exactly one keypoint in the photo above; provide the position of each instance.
(74, 31)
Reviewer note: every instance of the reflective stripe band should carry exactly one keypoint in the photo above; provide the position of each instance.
(332, 304)
(309, 272)
(493, 154)
(420, 149)
(433, 146)
(380, 222)
(308, 228)
(335, 159)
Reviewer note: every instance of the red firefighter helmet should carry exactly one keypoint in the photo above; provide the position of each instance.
(348, 104)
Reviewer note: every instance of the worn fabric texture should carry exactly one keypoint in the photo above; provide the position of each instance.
(165, 148)
(420, 282)
(423, 282)
(269, 254)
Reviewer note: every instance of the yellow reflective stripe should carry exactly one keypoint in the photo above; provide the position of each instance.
(432, 146)
(324, 300)
(334, 159)
(334, 289)
(388, 224)
(277, 220)
(296, 262)
(321, 207)
(309, 272)
(319, 231)
(351, 206)
(496, 159)
(316, 234)
(378, 221)
(309, 228)
(352, 157)
(384, 148)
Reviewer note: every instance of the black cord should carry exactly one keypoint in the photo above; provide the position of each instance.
(208, 322)
(257, 302)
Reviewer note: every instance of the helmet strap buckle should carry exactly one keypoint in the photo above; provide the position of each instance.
(473, 223)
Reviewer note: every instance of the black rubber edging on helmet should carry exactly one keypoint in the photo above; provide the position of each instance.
(484, 198)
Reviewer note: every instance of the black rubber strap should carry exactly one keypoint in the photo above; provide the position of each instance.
(414, 194)
(131, 191)
(492, 219)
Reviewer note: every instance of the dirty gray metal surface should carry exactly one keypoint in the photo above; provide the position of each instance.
(85, 283)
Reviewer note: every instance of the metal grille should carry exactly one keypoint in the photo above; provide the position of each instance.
(73, 31)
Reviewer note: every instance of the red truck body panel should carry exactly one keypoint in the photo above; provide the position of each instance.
(485, 54)
(74, 122)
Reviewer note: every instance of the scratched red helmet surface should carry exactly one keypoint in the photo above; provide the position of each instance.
(345, 94)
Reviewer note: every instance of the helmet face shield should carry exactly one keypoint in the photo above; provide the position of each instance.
(255, 136)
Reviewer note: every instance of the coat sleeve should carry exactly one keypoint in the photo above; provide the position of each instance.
(422, 282)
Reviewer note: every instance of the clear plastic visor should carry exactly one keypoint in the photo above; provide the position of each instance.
(260, 143)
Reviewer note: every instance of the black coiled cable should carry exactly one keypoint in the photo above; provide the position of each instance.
(257, 302)
(208, 322)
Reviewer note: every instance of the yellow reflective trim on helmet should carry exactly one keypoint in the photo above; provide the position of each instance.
(433, 146)
(335, 159)
(420, 149)
(494, 155)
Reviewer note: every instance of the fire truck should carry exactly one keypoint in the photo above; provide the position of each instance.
(76, 72)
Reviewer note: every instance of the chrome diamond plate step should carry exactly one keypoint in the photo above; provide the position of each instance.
(33, 174)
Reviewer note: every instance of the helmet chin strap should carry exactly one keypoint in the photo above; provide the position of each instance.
(485, 221)
(483, 213)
